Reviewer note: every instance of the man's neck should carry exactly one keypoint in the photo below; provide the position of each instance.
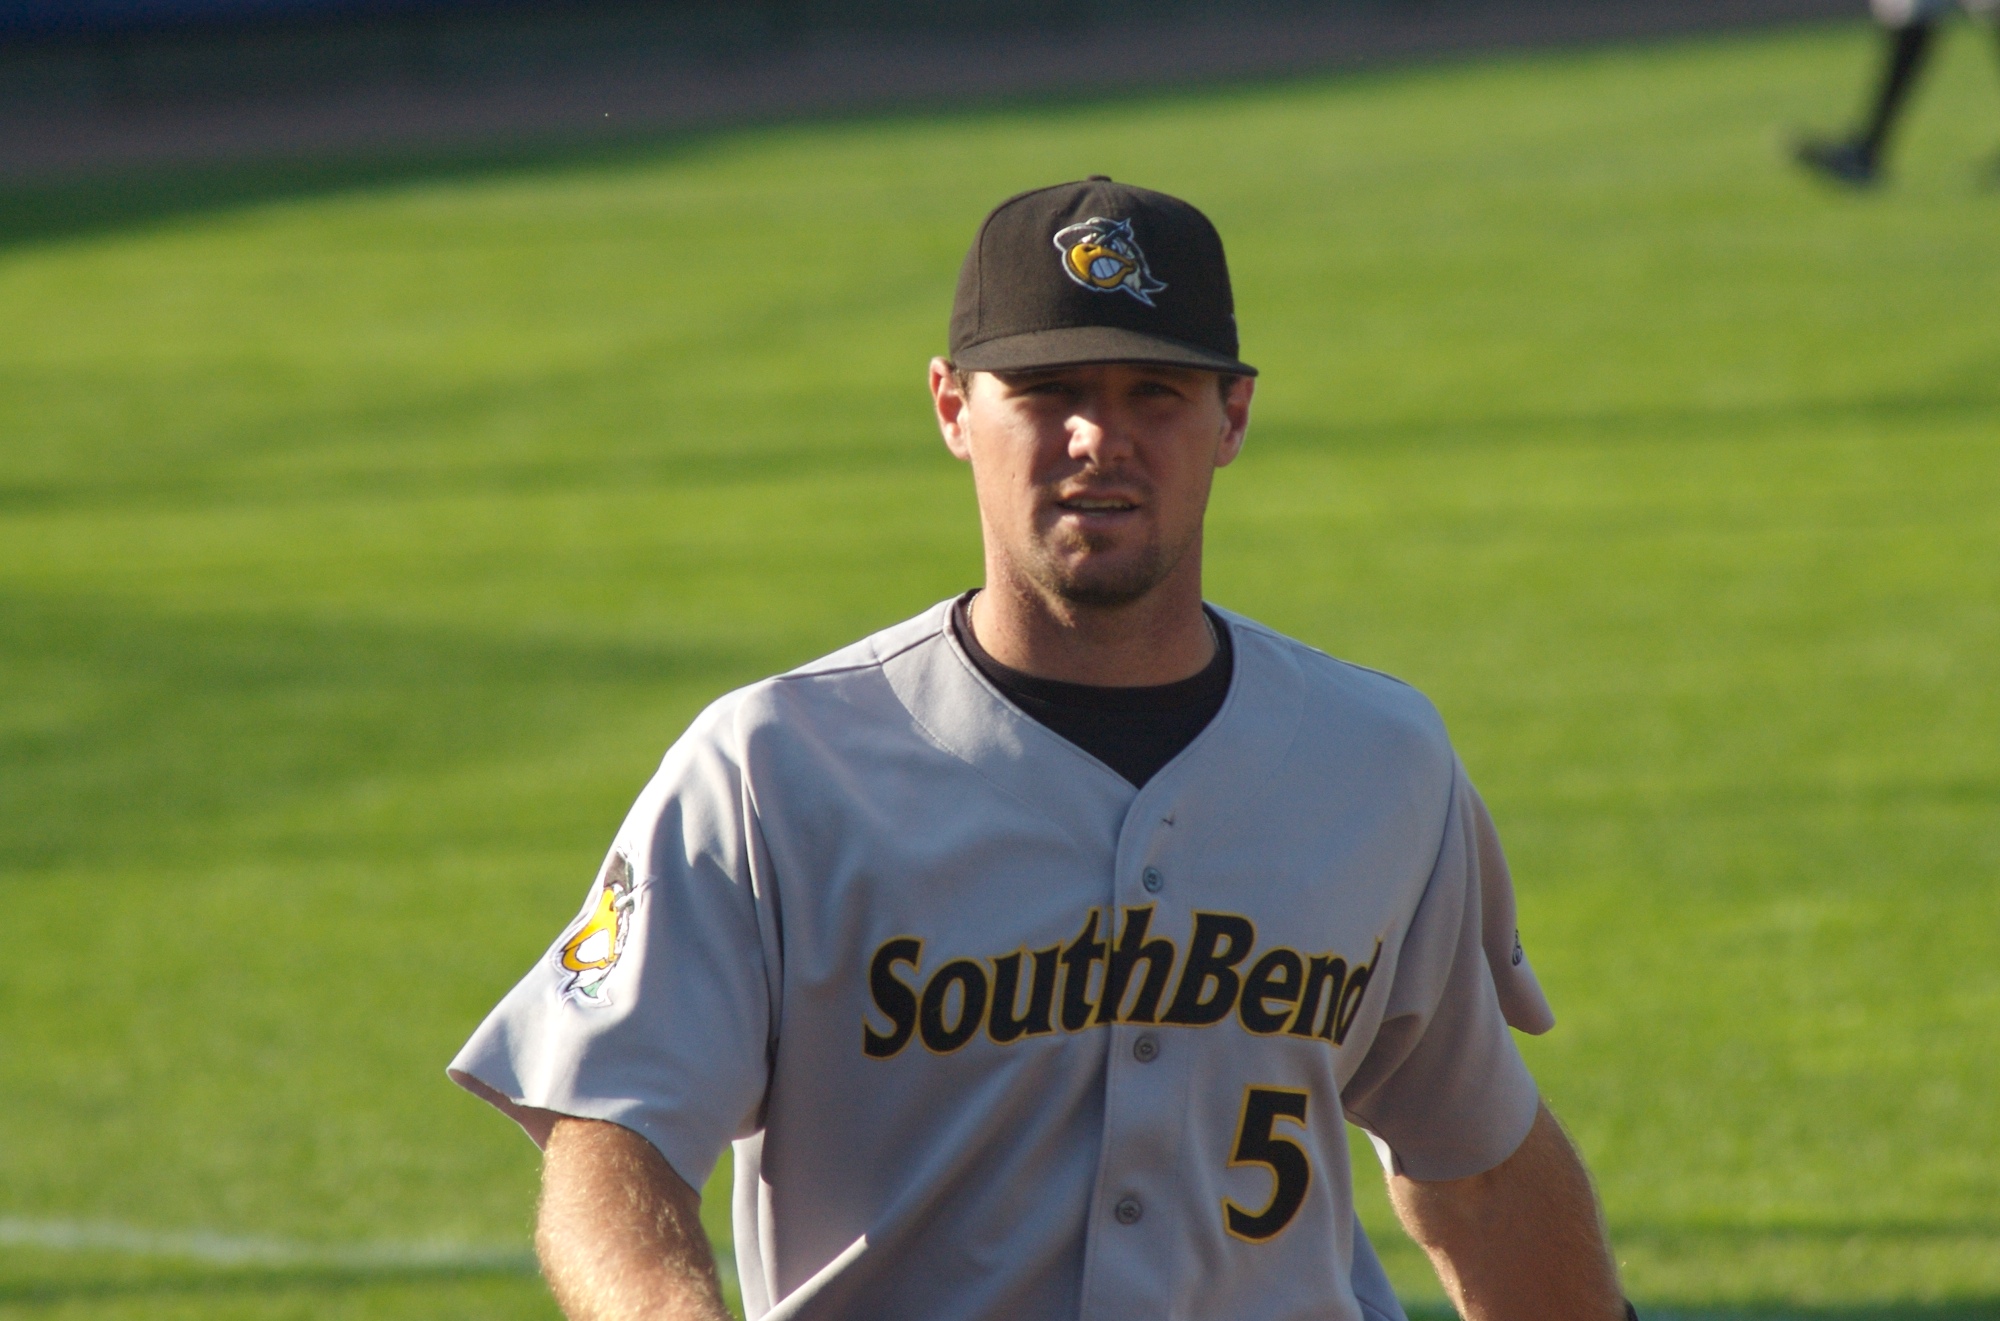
(1163, 637)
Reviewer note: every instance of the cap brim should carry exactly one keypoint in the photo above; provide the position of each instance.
(1074, 346)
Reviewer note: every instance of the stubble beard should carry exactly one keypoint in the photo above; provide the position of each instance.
(1059, 573)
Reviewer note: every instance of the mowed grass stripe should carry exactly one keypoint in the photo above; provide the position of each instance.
(363, 544)
(231, 1250)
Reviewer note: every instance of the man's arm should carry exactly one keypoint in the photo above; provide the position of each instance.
(1522, 1242)
(619, 1233)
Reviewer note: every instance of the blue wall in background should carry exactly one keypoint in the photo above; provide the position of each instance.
(85, 16)
(82, 18)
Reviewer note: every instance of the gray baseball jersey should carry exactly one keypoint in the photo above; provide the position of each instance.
(996, 1034)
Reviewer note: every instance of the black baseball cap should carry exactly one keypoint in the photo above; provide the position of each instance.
(1095, 271)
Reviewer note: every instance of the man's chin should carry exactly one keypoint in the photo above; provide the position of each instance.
(1103, 587)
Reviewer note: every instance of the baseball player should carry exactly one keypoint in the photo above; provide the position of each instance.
(1910, 30)
(1034, 953)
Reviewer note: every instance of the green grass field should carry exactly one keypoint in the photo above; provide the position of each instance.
(366, 532)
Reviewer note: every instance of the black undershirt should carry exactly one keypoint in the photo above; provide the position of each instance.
(1134, 731)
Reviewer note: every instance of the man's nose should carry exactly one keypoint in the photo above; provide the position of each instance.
(1098, 435)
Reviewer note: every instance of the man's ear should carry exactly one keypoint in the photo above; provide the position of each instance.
(949, 401)
(1236, 419)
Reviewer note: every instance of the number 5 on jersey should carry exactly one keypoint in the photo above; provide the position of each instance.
(1258, 1144)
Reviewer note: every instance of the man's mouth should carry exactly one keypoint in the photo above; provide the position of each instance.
(1087, 504)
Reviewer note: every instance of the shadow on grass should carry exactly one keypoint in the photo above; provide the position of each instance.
(37, 210)
(42, 210)
(1969, 399)
(163, 729)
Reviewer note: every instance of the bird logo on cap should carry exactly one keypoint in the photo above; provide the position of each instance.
(1102, 256)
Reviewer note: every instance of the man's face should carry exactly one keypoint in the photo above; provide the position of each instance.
(1092, 480)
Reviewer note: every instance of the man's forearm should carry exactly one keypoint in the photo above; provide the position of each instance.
(618, 1232)
(1522, 1242)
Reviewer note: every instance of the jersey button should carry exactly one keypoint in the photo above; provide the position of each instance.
(1146, 1049)
(1152, 880)
(1128, 1210)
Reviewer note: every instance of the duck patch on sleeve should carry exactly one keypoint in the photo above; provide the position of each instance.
(591, 947)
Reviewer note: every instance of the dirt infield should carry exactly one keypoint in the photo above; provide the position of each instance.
(623, 94)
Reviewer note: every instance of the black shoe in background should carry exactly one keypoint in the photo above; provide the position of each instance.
(1845, 162)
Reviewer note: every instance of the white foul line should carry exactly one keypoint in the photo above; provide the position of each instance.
(215, 1249)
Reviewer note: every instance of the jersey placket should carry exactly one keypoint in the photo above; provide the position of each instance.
(1136, 1222)
(1142, 1230)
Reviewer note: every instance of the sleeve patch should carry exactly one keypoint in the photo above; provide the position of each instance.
(591, 947)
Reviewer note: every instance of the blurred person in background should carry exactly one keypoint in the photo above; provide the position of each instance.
(1910, 30)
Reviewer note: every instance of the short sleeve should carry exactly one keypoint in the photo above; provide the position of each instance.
(653, 1008)
(1443, 1090)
